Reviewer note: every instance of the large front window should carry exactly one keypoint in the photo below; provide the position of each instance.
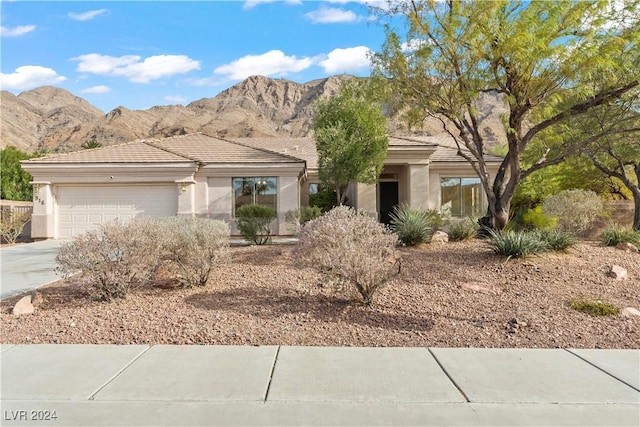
(461, 196)
(254, 191)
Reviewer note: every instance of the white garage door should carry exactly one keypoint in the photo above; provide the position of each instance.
(83, 207)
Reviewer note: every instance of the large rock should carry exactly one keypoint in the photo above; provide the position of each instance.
(627, 247)
(439, 237)
(23, 306)
(630, 312)
(617, 272)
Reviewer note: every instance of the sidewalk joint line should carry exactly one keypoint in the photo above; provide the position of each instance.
(601, 369)
(449, 376)
(117, 374)
(273, 368)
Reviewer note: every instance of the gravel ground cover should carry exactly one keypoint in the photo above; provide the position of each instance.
(448, 295)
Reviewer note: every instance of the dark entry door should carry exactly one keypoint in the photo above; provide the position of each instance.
(388, 199)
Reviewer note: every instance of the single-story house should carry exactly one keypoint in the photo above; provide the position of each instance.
(205, 176)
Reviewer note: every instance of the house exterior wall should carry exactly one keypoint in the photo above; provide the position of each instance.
(452, 170)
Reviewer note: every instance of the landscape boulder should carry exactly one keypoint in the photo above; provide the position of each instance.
(439, 237)
(617, 272)
(630, 312)
(627, 247)
(23, 306)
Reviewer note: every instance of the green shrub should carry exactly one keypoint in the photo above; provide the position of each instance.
(464, 229)
(617, 234)
(114, 258)
(352, 248)
(192, 247)
(536, 219)
(516, 244)
(254, 223)
(575, 209)
(594, 308)
(325, 199)
(299, 217)
(556, 240)
(414, 226)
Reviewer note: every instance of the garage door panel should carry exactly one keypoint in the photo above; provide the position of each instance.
(81, 208)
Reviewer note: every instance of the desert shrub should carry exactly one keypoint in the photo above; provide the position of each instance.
(556, 240)
(254, 223)
(299, 217)
(114, 258)
(536, 219)
(617, 234)
(516, 244)
(192, 247)
(463, 229)
(594, 308)
(575, 209)
(12, 224)
(351, 247)
(414, 226)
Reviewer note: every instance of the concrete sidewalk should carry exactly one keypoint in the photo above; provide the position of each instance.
(27, 266)
(93, 385)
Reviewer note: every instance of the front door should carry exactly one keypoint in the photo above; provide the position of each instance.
(388, 199)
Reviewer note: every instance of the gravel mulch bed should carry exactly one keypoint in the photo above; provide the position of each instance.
(448, 295)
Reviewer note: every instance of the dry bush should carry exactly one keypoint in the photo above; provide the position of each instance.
(12, 224)
(113, 258)
(352, 247)
(575, 210)
(193, 246)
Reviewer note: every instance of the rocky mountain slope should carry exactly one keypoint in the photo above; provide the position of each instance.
(54, 119)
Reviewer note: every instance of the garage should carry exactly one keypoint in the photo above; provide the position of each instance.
(81, 208)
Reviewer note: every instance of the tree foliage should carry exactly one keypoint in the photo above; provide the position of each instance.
(16, 183)
(550, 61)
(351, 140)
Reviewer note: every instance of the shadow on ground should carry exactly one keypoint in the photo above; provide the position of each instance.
(263, 303)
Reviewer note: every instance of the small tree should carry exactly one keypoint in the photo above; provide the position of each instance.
(549, 61)
(16, 183)
(351, 140)
(352, 247)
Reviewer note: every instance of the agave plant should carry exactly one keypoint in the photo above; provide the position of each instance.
(414, 226)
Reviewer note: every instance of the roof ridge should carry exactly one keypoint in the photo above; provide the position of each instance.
(167, 150)
(85, 150)
(265, 150)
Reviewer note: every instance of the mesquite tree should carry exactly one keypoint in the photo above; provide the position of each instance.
(549, 61)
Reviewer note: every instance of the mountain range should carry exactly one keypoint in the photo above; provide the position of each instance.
(51, 118)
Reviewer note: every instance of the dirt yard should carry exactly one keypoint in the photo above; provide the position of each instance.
(448, 295)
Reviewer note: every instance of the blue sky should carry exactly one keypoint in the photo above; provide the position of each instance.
(144, 53)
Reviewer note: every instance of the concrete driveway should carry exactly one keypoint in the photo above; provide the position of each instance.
(27, 266)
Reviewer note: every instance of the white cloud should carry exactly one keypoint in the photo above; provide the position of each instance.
(250, 4)
(176, 99)
(330, 15)
(131, 66)
(30, 76)
(97, 89)
(86, 16)
(269, 63)
(344, 60)
(16, 31)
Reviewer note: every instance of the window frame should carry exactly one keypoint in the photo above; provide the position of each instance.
(271, 183)
(465, 210)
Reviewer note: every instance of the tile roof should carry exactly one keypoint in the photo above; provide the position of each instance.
(178, 149)
(450, 154)
(301, 148)
(132, 152)
(207, 149)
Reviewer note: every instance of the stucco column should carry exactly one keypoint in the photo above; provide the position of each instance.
(43, 217)
(418, 180)
(288, 200)
(366, 199)
(186, 197)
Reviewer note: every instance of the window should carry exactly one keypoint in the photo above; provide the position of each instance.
(314, 188)
(461, 196)
(255, 191)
